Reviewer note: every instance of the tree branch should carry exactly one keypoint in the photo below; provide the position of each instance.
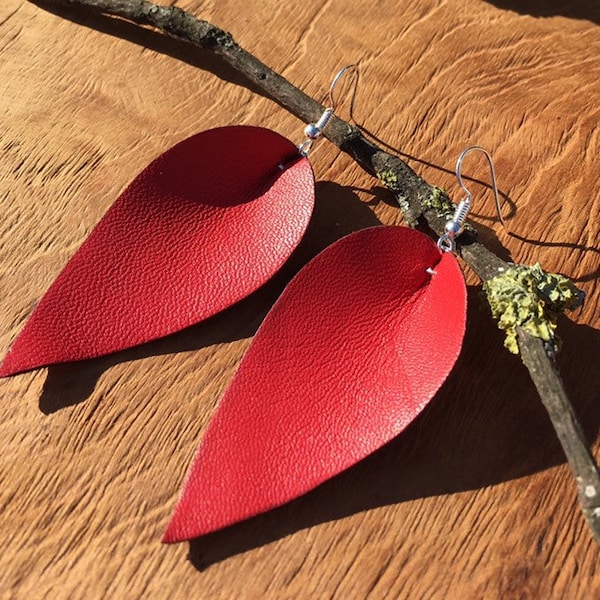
(414, 195)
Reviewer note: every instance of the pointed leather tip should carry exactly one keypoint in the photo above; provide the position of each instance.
(167, 539)
(181, 524)
(188, 521)
(173, 532)
(16, 362)
(8, 368)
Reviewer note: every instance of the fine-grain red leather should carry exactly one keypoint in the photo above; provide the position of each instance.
(204, 225)
(356, 346)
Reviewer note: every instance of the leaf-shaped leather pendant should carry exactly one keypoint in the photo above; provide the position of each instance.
(353, 350)
(203, 226)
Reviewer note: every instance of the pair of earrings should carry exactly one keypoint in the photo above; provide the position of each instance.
(356, 346)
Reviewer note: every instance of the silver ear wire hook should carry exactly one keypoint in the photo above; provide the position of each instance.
(330, 100)
(314, 130)
(446, 243)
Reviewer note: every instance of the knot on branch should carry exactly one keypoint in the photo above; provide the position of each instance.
(218, 38)
(173, 19)
(181, 24)
(527, 297)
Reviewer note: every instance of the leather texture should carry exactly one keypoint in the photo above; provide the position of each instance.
(203, 226)
(353, 350)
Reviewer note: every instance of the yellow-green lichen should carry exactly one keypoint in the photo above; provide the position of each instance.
(389, 178)
(440, 202)
(443, 206)
(529, 298)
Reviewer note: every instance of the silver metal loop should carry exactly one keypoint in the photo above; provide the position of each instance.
(313, 131)
(446, 243)
(305, 147)
(488, 156)
(454, 227)
(330, 99)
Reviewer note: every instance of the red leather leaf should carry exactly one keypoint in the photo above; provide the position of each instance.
(204, 225)
(356, 346)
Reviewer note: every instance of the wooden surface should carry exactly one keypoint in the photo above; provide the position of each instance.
(475, 499)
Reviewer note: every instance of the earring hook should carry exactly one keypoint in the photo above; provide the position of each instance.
(454, 227)
(459, 162)
(330, 99)
(315, 130)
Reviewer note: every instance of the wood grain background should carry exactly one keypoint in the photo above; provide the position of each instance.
(475, 500)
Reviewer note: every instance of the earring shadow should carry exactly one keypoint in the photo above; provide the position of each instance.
(485, 426)
(338, 212)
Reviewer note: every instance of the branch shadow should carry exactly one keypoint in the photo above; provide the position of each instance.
(485, 426)
(588, 10)
(338, 212)
(152, 40)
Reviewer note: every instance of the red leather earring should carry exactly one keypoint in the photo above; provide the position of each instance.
(353, 350)
(201, 227)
